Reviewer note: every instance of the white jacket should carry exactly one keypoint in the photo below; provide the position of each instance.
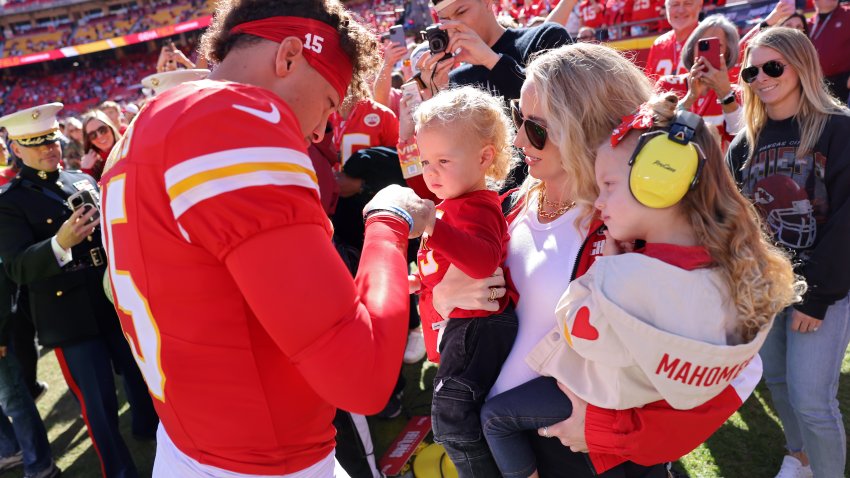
(634, 330)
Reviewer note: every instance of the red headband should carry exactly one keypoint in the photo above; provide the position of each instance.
(321, 45)
(642, 119)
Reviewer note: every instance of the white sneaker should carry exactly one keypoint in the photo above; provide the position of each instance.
(415, 350)
(793, 468)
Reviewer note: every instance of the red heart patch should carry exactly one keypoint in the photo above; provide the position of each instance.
(581, 326)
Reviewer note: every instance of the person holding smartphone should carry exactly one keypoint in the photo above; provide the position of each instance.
(56, 252)
(706, 89)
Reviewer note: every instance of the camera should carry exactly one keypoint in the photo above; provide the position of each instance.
(438, 40)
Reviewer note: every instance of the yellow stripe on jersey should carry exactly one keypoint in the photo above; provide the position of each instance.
(236, 169)
(207, 176)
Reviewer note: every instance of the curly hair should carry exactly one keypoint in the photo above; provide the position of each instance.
(358, 43)
(479, 113)
(759, 275)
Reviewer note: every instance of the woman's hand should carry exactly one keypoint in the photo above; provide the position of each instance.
(89, 159)
(780, 12)
(570, 432)
(406, 126)
(467, 46)
(804, 323)
(696, 88)
(414, 283)
(715, 79)
(393, 53)
(614, 247)
(459, 290)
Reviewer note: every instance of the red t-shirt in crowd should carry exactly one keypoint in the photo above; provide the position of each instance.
(639, 10)
(242, 317)
(368, 125)
(665, 56)
(831, 39)
(471, 233)
(592, 13)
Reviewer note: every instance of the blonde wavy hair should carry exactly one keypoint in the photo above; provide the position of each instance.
(760, 276)
(816, 103)
(583, 90)
(480, 114)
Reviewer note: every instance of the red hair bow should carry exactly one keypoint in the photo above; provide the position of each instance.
(642, 119)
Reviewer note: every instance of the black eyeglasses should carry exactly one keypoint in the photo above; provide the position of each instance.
(771, 68)
(536, 134)
(98, 132)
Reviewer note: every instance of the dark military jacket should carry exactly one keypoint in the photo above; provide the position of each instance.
(67, 303)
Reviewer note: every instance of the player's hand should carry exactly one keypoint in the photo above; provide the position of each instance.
(434, 73)
(77, 227)
(804, 323)
(570, 432)
(467, 46)
(394, 195)
(457, 289)
(89, 159)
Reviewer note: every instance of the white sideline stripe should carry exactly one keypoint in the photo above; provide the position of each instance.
(231, 157)
(212, 188)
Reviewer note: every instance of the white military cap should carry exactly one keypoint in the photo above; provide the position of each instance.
(160, 82)
(33, 126)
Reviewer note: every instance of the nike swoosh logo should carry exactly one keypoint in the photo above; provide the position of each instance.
(272, 116)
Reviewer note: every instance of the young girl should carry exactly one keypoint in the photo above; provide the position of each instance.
(464, 139)
(702, 291)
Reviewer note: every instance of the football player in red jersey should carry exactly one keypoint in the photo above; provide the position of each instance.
(665, 56)
(246, 324)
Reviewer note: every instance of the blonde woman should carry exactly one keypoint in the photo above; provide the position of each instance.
(571, 100)
(794, 163)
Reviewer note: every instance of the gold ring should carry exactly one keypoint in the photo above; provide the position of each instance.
(492, 297)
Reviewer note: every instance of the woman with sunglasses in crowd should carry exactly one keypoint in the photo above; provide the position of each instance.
(571, 100)
(794, 164)
(99, 136)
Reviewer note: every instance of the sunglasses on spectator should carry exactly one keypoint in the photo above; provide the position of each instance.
(771, 68)
(98, 132)
(536, 134)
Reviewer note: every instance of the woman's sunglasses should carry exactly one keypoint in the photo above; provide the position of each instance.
(98, 132)
(536, 134)
(772, 68)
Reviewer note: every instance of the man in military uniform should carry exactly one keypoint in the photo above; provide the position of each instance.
(56, 252)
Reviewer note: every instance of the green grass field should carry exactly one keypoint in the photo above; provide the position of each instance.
(748, 445)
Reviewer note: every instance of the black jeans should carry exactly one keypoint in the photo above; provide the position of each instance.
(471, 356)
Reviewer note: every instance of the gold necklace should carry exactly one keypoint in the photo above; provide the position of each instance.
(560, 208)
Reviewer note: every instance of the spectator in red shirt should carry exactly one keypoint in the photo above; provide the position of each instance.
(665, 56)
(592, 13)
(641, 11)
(830, 33)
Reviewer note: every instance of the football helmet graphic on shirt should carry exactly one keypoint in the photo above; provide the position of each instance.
(787, 209)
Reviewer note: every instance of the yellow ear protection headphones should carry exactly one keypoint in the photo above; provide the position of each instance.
(666, 164)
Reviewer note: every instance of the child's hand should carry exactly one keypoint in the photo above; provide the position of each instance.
(414, 283)
(614, 247)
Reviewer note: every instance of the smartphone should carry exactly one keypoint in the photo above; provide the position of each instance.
(396, 35)
(412, 88)
(709, 48)
(85, 199)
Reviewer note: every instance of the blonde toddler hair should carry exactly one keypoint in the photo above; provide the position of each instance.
(480, 114)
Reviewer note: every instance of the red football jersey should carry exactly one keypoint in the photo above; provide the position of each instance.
(592, 13)
(236, 306)
(639, 10)
(665, 57)
(370, 124)
(471, 233)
